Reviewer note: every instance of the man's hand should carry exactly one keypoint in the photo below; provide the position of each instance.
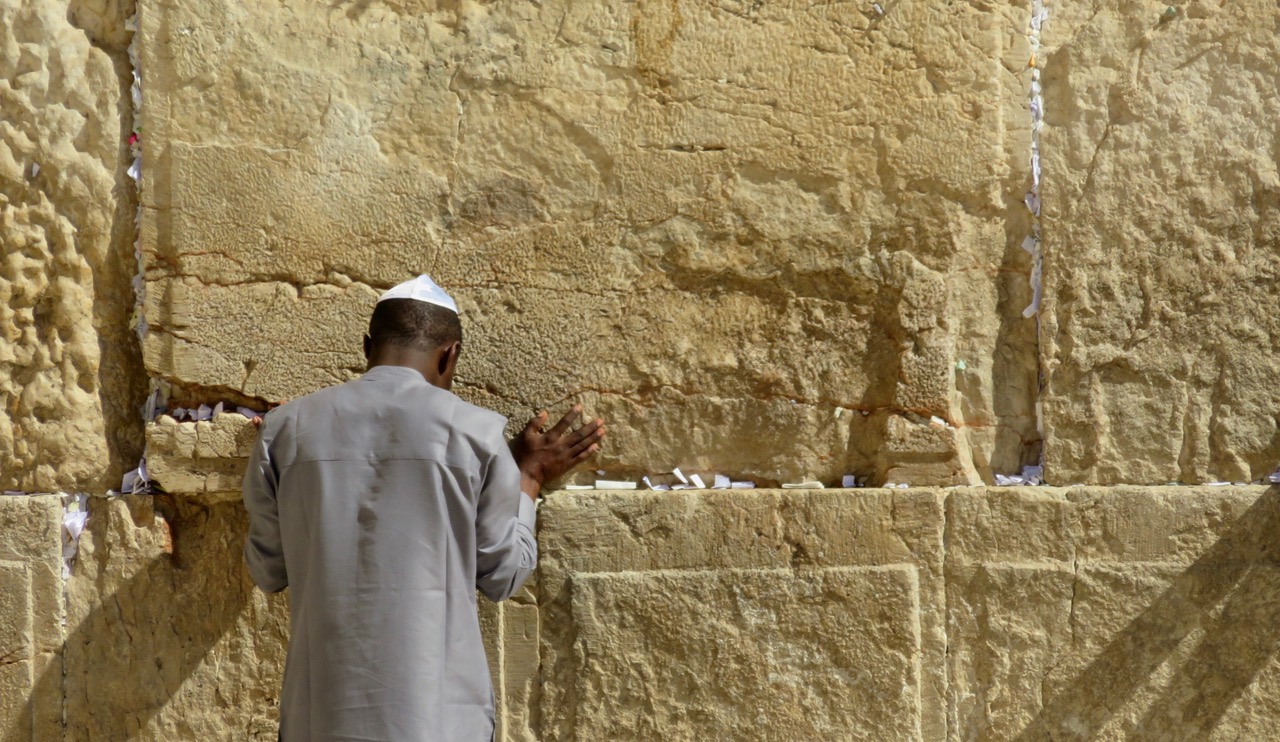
(544, 456)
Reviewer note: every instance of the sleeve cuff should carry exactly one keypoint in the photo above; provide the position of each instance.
(528, 513)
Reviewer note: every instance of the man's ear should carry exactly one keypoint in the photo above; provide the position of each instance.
(449, 359)
(368, 346)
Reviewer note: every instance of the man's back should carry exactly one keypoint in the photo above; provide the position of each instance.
(394, 500)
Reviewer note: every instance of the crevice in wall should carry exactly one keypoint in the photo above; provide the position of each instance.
(1033, 242)
(951, 713)
(75, 513)
(136, 480)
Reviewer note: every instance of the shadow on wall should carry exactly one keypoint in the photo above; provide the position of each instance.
(1230, 597)
(169, 640)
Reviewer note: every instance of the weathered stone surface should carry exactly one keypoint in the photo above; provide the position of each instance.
(207, 457)
(1009, 623)
(731, 230)
(734, 615)
(30, 617)
(510, 631)
(168, 639)
(1109, 614)
(70, 378)
(963, 614)
(756, 217)
(660, 653)
(1162, 239)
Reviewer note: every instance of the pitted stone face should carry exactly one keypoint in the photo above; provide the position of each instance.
(1162, 241)
(70, 378)
(721, 229)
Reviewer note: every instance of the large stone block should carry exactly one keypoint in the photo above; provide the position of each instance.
(1162, 237)
(70, 376)
(755, 217)
(31, 617)
(745, 654)
(1147, 616)
(736, 615)
(167, 638)
(200, 458)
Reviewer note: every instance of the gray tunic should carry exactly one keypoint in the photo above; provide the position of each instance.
(383, 503)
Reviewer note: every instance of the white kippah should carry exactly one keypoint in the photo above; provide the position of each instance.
(421, 288)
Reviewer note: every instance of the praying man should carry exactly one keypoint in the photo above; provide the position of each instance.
(383, 504)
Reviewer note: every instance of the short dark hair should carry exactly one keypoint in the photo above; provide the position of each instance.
(410, 323)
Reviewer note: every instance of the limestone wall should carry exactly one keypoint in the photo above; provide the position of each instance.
(935, 614)
(69, 371)
(701, 221)
(773, 240)
(1162, 220)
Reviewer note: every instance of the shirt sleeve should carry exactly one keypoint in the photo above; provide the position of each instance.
(506, 550)
(263, 549)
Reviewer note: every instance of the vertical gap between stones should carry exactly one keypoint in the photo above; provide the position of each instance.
(1033, 244)
(75, 511)
(950, 714)
(137, 480)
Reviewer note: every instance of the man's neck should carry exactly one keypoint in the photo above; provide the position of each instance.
(424, 363)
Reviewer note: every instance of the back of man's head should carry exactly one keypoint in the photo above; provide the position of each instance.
(412, 324)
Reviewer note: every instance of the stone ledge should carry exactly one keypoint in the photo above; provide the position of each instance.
(1007, 613)
(205, 457)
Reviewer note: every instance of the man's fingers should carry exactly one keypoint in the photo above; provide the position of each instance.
(585, 454)
(594, 437)
(584, 431)
(568, 419)
(536, 423)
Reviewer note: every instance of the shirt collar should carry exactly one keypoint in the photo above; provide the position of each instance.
(393, 372)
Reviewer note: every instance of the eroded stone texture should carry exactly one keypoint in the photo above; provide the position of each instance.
(1113, 614)
(1076, 614)
(200, 458)
(1162, 241)
(736, 615)
(728, 229)
(70, 376)
(30, 618)
(661, 652)
(168, 639)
